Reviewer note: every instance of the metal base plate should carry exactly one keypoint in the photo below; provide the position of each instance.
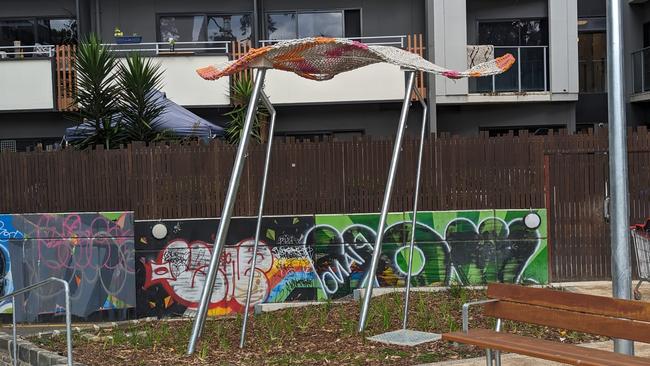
(406, 337)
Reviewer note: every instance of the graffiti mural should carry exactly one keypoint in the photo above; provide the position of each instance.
(93, 252)
(327, 256)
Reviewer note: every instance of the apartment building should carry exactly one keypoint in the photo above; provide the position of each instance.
(559, 79)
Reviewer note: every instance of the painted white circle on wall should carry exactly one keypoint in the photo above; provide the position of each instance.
(159, 231)
(532, 220)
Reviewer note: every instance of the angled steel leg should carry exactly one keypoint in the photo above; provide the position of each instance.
(370, 277)
(226, 213)
(258, 228)
(415, 207)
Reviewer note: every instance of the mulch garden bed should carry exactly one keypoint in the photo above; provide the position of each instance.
(314, 335)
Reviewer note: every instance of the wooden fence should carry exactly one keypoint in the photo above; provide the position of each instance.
(565, 173)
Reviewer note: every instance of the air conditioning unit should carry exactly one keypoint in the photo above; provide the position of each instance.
(8, 145)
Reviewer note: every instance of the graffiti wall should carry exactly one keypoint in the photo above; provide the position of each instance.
(327, 256)
(93, 252)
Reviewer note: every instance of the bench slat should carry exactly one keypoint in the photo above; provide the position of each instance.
(548, 350)
(598, 305)
(563, 319)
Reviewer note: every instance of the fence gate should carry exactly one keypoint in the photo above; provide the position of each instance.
(578, 232)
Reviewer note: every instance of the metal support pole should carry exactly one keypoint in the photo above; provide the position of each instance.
(13, 333)
(415, 207)
(370, 277)
(226, 213)
(68, 321)
(497, 353)
(619, 223)
(258, 228)
(256, 24)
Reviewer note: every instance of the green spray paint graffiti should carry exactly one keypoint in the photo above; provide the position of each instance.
(463, 247)
(327, 256)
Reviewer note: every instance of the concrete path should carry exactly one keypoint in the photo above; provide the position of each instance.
(641, 349)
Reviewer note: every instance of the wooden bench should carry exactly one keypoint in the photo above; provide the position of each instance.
(598, 315)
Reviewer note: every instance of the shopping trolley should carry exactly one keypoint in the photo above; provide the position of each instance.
(641, 238)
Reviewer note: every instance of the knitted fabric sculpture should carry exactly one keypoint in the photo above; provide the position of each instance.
(323, 58)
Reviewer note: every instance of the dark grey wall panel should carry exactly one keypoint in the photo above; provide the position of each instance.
(468, 120)
(35, 8)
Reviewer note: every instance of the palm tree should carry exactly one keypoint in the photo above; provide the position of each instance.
(140, 105)
(97, 94)
(240, 94)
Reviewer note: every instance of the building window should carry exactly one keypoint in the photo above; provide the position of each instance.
(31, 31)
(290, 25)
(592, 55)
(527, 40)
(183, 28)
(57, 31)
(205, 27)
(229, 27)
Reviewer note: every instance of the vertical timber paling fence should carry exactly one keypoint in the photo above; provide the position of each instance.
(565, 173)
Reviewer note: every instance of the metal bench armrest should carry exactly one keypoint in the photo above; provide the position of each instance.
(466, 307)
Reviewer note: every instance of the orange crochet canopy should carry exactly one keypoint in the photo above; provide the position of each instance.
(323, 58)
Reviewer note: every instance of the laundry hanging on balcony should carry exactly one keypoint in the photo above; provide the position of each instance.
(323, 58)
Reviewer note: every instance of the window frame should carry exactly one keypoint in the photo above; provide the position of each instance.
(205, 15)
(35, 20)
(297, 12)
(500, 20)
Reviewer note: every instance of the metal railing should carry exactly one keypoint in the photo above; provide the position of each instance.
(68, 316)
(641, 70)
(395, 41)
(20, 51)
(528, 74)
(158, 48)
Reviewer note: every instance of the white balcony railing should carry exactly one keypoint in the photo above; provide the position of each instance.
(179, 48)
(641, 70)
(528, 74)
(395, 41)
(20, 51)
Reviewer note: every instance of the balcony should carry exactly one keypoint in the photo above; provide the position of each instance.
(529, 74)
(181, 84)
(374, 83)
(641, 75)
(27, 79)
(43, 77)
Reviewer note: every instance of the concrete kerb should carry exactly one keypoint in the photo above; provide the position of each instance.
(379, 291)
(270, 307)
(28, 353)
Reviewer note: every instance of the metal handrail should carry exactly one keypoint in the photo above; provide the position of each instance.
(397, 41)
(641, 50)
(68, 316)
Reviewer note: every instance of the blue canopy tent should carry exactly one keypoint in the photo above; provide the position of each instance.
(176, 119)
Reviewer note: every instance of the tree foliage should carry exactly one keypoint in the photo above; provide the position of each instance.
(241, 91)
